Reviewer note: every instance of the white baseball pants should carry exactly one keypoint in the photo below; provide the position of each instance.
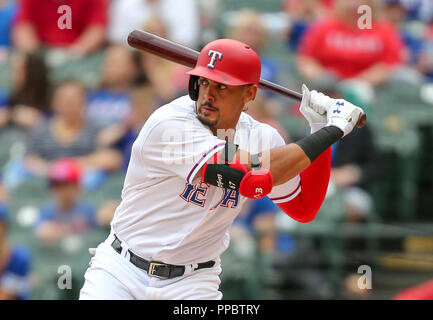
(112, 277)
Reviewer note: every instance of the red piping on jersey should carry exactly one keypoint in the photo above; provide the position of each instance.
(314, 183)
(204, 156)
(289, 195)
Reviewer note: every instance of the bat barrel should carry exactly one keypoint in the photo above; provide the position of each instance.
(188, 57)
(163, 48)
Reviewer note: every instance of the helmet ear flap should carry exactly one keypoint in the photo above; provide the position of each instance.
(193, 87)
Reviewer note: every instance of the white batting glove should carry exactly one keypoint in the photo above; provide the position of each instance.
(316, 119)
(343, 115)
(320, 102)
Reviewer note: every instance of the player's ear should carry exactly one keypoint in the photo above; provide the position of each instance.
(250, 93)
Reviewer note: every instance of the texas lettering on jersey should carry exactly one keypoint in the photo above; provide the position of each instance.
(196, 194)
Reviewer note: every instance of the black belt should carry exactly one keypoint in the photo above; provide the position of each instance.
(156, 268)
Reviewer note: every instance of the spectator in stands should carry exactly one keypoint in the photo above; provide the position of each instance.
(180, 17)
(353, 170)
(28, 102)
(4, 114)
(258, 217)
(7, 15)
(337, 48)
(355, 165)
(67, 134)
(66, 214)
(143, 106)
(123, 134)
(167, 78)
(249, 29)
(421, 10)
(415, 38)
(15, 265)
(425, 62)
(3, 192)
(78, 26)
(302, 14)
(112, 102)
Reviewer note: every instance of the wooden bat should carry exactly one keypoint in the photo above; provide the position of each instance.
(180, 54)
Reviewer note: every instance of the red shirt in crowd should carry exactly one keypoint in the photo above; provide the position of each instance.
(44, 16)
(423, 291)
(347, 51)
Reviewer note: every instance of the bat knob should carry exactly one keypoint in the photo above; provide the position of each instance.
(362, 120)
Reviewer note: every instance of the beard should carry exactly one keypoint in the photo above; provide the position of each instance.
(203, 120)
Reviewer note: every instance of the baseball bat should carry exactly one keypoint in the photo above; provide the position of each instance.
(183, 55)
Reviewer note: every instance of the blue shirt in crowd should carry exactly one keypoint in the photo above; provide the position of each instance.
(15, 277)
(106, 107)
(7, 16)
(80, 217)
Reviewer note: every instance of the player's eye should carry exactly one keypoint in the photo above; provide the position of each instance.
(203, 82)
(221, 86)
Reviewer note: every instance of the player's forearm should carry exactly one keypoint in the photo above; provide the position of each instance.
(284, 162)
(288, 161)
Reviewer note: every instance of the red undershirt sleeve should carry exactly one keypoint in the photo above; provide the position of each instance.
(314, 184)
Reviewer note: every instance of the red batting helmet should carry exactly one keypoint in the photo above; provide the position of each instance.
(226, 61)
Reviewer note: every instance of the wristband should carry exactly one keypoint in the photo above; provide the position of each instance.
(318, 142)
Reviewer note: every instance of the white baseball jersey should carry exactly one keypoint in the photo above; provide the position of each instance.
(167, 214)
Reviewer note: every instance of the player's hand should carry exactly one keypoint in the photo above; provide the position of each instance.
(315, 119)
(317, 101)
(343, 115)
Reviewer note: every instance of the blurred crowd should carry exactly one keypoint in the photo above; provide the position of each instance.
(77, 134)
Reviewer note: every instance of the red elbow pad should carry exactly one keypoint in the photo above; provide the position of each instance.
(256, 184)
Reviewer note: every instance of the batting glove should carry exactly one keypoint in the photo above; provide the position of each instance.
(312, 110)
(343, 115)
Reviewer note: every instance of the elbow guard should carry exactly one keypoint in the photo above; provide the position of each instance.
(234, 175)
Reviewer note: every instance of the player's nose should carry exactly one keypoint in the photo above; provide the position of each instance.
(209, 95)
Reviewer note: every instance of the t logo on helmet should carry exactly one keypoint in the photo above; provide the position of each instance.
(214, 54)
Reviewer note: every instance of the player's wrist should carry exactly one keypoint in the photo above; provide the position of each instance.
(319, 141)
(314, 127)
(344, 125)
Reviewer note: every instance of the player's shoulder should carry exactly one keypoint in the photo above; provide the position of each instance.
(249, 123)
(179, 109)
(263, 134)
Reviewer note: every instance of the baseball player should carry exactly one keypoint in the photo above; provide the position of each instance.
(194, 164)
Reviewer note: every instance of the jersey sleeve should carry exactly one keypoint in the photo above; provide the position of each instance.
(290, 189)
(178, 146)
